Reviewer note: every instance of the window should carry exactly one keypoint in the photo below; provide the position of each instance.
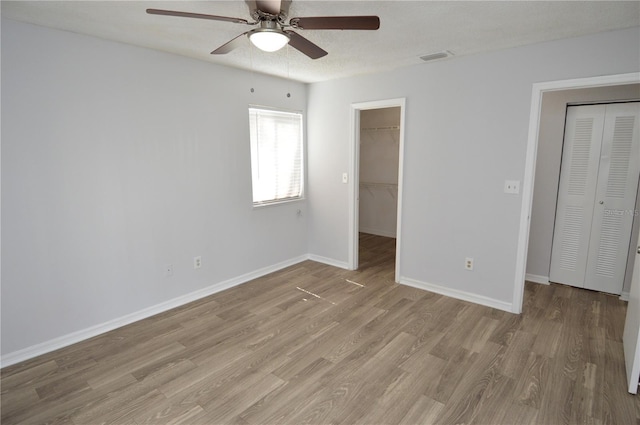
(276, 155)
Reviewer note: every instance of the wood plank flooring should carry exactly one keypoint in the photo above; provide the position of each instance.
(313, 344)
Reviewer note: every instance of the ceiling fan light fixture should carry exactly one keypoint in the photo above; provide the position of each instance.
(268, 40)
(274, 33)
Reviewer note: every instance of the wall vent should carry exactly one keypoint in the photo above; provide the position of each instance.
(436, 55)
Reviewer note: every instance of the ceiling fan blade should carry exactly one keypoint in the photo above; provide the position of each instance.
(336, 23)
(197, 15)
(229, 45)
(305, 46)
(269, 6)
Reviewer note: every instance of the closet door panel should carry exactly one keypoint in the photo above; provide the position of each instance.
(614, 209)
(576, 194)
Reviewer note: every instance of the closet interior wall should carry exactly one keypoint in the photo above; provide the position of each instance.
(379, 155)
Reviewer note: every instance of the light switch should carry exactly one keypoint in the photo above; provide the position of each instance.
(512, 186)
(345, 178)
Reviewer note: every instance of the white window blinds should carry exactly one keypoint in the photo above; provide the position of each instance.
(276, 155)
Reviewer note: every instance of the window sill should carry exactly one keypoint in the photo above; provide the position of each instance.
(280, 202)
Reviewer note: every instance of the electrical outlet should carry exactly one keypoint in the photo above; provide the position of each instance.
(468, 263)
(197, 262)
(168, 270)
(512, 186)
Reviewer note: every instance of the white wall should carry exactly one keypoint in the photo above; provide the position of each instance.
(552, 120)
(379, 149)
(465, 133)
(117, 161)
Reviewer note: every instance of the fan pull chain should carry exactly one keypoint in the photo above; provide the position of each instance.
(288, 74)
(253, 71)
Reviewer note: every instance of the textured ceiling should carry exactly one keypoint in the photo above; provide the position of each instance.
(409, 29)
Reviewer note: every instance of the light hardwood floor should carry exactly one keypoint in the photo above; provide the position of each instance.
(315, 344)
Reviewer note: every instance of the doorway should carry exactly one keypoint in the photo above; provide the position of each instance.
(378, 184)
(538, 90)
(375, 190)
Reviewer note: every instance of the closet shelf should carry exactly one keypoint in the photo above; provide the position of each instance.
(389, 128)
(380, 134)
(381, 185)
(373, 188)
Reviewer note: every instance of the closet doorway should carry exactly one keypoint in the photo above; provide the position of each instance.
(597, 196)
(376, 186)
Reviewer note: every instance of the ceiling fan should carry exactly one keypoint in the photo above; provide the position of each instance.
(273, 31)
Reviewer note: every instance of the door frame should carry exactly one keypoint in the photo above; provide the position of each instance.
(354, 172)
(537, 92)
(631, 333)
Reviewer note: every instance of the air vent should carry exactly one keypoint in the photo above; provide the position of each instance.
(437, 55)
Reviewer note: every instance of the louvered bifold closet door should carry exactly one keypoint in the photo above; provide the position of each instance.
(576, 194)
(616, 190)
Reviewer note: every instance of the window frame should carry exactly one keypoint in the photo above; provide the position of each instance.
(253, 152)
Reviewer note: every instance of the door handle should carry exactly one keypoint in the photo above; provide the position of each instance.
(601, 202)
(639, 250)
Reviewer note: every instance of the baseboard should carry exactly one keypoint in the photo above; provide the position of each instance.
(328, 261)
(544, 280)
(377, 232)
(81, 335)
(460, 295)
(624, 296)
